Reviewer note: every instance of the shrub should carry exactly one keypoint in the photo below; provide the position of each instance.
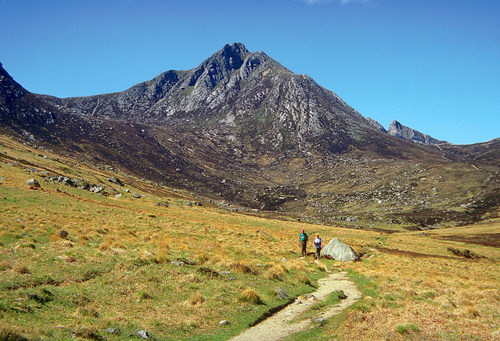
(4, 265)
(250, 295)
(407, 328)
(22, 269)
(274, 272)
(197, 299)
(144, 295)
(11, 335)
(244, 267)
(303, 278)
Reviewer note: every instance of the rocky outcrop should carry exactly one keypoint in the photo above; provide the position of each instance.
(376, 125)
(396, 129)
(339, 251)
(240, 94)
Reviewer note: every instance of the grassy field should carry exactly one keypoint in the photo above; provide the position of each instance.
(176, 267)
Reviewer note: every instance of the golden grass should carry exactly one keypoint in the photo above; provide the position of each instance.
(123, 249)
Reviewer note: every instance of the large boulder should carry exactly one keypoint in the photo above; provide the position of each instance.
(339, 251)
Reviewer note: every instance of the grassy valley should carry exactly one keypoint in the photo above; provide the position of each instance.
(139, 256)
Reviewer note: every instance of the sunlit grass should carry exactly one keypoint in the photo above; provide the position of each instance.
(178, 271)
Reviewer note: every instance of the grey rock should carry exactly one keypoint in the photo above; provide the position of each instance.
(33, 183)
(136, 195)
(114, 331)
(127, 190)
(144, 334)
(339, 251)
(118, 196)
(177, 263)
(2, 179)
(115, 181)
(97, 189)
(281, 293)
(224, 322)
(225, 273)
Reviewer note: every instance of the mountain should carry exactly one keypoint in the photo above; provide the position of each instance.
(406, 133)
(235, 91)
(240, 129)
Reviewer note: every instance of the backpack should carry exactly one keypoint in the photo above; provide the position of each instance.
(303, 236)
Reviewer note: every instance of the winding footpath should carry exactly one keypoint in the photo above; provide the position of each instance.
(280, 325)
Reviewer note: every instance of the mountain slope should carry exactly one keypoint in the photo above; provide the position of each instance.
(243, 128)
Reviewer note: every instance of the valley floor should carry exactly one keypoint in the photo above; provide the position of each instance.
(139, 257)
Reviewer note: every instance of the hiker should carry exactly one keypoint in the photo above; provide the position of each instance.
(303, 237)
(318, 244)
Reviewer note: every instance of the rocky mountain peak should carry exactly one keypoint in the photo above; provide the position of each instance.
(396, 129)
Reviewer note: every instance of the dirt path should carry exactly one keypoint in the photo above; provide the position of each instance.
(280, 325)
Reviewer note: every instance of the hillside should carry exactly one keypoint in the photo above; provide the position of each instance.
(242, 130)
(137, 256)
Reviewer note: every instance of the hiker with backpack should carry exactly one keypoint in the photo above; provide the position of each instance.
(318, 244)
(303, 238)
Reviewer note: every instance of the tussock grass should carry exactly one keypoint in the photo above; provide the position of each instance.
(250, 295)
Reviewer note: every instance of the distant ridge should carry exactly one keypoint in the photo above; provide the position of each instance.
(396, 129)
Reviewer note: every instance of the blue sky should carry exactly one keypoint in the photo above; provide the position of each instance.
(432, 65)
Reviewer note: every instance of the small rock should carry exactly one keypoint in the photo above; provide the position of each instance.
(224, 322)
(341, 295)
(118, 196)
(281, 293)
(143, 333)
(127, 190)
(225, 273)
(231, 278)
(115, 181)
(96, 189)
(136, 195)
(67, 181)
(2, 179)
(311, 297)
(177, 263)
(33, 183)
(114, 331)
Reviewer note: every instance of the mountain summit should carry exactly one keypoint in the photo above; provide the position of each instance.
(236, 92)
